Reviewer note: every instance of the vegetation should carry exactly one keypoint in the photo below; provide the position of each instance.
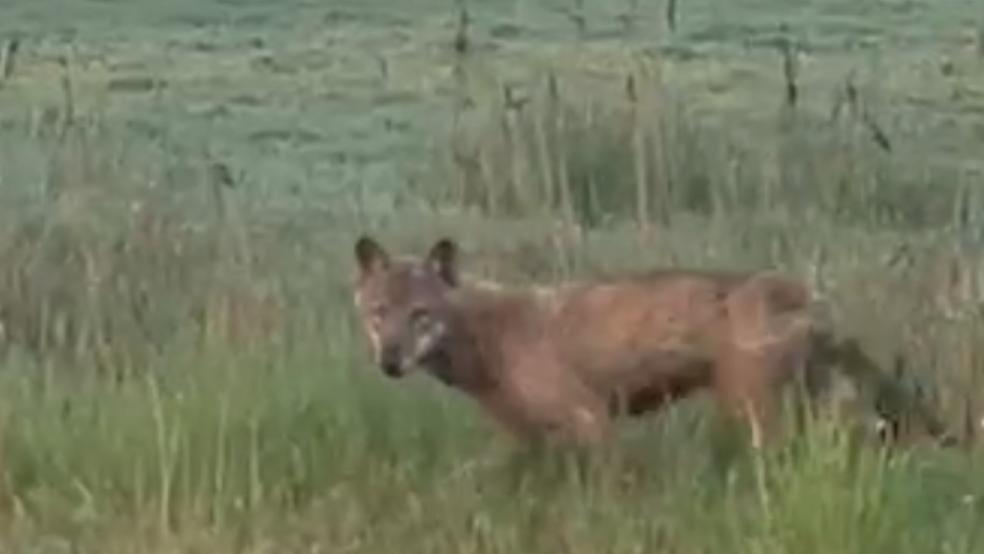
(181, 183)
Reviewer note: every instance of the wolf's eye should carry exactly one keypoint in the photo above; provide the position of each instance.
(419, 316)
(378, 311)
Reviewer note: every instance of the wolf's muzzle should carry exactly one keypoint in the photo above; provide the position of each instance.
(391, 361)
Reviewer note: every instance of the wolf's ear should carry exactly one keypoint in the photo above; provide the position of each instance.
(443, 259)
(369, 255)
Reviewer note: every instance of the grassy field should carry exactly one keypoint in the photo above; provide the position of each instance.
(181, 183)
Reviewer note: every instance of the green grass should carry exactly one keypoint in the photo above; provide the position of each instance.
(181, 368)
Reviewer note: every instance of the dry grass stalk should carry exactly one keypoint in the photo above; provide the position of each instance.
(649, 118)
(516, 148)
(671, 14)
(544, 134)
(570, 228)
(461, 42)
(8, 56)
(638, 115)
(789, 71)
(68, 97)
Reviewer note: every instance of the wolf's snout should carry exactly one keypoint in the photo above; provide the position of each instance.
(391, 361)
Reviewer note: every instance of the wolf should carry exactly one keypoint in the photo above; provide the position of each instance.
(566, 361)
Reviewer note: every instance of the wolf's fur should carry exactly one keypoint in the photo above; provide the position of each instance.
(568, 359)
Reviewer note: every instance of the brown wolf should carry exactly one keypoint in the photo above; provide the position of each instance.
(568, 359)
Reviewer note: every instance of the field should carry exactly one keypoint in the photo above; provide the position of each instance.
(181, 184)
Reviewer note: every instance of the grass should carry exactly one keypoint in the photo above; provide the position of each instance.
(180, 186)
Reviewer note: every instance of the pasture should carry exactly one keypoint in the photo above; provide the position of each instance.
(181, 183)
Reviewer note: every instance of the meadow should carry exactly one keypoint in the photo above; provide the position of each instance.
(181, 184)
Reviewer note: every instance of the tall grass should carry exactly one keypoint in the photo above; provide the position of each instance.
(181, 370)
(636, 149)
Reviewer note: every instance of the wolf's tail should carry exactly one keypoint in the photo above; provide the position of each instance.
(893, 401)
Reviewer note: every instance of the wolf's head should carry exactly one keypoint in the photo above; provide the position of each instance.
(403, 302)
